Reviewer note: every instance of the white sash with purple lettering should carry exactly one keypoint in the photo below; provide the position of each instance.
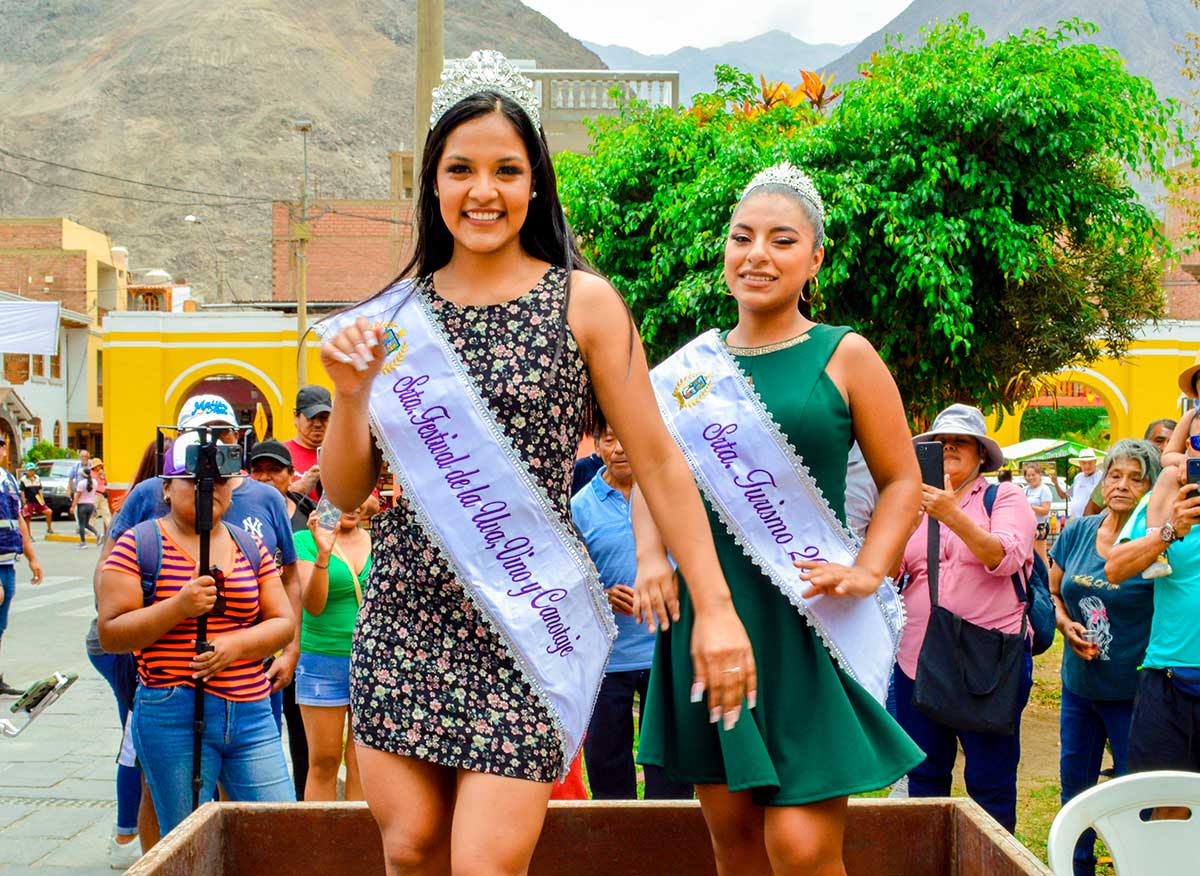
(516, 557)
(770, 503)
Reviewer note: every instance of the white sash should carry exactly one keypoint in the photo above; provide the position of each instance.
(770, 503)
(517, 559)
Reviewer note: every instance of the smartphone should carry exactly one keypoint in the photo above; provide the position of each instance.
(1193, 471)
(929, 457)
(36, 699)
(328, 514)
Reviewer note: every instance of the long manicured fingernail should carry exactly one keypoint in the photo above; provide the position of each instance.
(343, 358)
(731, 717)
(714, 714)
(697, 691)
(359, 364)
(365, 353)
(372, 341)
(752, 699)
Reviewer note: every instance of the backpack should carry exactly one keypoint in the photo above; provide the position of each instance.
(1040, 607)
(149, 553)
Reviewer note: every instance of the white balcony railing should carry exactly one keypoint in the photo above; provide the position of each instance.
(583, 90)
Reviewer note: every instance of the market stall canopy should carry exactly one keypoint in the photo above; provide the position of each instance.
(29, 327)
(1043, 449)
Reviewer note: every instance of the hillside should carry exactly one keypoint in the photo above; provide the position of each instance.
(200, 96)
(1145, 32)
(775, 54)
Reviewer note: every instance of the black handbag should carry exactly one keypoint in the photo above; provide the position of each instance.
(969, 677)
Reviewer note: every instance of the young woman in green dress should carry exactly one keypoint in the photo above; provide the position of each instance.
(774, 789)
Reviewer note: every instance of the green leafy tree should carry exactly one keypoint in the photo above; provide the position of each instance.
(45, 450)
(982, 228)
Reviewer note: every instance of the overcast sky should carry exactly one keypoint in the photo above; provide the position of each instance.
(660, 26)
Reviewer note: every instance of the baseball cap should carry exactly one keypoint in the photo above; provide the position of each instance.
(31, 466)
(313, 400)
(206, 410)
(271, 449)
(175, 461)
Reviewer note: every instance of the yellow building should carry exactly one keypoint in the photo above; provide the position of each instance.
(1135, 390)
(154, 361)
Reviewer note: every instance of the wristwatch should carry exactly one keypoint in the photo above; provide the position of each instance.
(1167, 533)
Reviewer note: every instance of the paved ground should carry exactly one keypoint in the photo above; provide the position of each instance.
(58, 778)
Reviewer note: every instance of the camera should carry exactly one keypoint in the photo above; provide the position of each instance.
(228, 459)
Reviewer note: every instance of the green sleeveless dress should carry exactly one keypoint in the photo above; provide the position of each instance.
(815, 733)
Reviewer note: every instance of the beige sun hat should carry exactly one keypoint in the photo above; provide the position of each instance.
(1087, 455)
(1188, 378)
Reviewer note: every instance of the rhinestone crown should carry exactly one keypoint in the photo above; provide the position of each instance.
(485, 70)
(786, 174)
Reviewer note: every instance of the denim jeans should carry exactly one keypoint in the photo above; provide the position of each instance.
(8, 585)
(83, 516)
(129, 779)
(991, 758)
(608, 746)
(241, 749)
(1084, 725)
(1164, 733)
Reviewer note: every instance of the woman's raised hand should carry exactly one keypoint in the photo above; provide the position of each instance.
(323, 537)
(353, 357)
(1186, 511)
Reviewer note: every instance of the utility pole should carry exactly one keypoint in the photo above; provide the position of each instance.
(431, 53)
(301, 233)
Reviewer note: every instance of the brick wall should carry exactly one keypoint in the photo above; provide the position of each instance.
(349, 256)
(26, 235)
(24, 272)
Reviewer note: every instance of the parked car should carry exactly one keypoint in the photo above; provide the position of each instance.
(56, 475)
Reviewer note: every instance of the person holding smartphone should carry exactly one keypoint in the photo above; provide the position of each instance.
(1165, 723)
(1105, 626)
(241, 744)
(334, 563)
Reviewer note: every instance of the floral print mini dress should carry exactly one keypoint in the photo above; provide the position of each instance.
(430, 679)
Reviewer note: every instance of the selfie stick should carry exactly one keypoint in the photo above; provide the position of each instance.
(206, 475)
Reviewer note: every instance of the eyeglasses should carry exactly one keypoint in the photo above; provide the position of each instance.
(1194, 440)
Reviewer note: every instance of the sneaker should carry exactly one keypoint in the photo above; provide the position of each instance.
(7, 690)
(82, 546)
(122, 856)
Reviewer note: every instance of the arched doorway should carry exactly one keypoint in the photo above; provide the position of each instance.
(1073, 410)
(244, 395)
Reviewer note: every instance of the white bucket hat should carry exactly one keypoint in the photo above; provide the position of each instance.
(966, 420)
(1087, 455)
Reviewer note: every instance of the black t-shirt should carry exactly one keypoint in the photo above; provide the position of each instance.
(304, 507)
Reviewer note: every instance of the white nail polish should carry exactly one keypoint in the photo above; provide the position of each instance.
(697, 692)
(359, 364)
(343, 358)
(714, 714)
(752, 699)
(731, 717)
(372, 341)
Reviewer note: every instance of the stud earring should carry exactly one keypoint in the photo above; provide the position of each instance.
(534, 195)
(435, 193)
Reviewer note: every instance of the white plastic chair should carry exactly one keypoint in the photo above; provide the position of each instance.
(1138, 848)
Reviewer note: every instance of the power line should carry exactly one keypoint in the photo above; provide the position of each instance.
(135, 182)
(407, 222)
(133, 198)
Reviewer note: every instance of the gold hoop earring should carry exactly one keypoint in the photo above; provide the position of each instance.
(728, 292)
(816, 285)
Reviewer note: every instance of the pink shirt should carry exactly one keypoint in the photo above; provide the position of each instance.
(966, 587)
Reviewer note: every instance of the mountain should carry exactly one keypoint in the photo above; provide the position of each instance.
(1145, 32)
(777, 55)
(201, 96)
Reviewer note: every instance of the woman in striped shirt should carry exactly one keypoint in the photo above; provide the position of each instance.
(241, 744)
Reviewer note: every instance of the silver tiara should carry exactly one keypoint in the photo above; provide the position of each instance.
(786, 174)
(485, 70)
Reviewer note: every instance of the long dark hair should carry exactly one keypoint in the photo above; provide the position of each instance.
(545, 234)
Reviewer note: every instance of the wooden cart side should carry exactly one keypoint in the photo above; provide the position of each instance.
(898, 837)
(983, 848)
(195, 848)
